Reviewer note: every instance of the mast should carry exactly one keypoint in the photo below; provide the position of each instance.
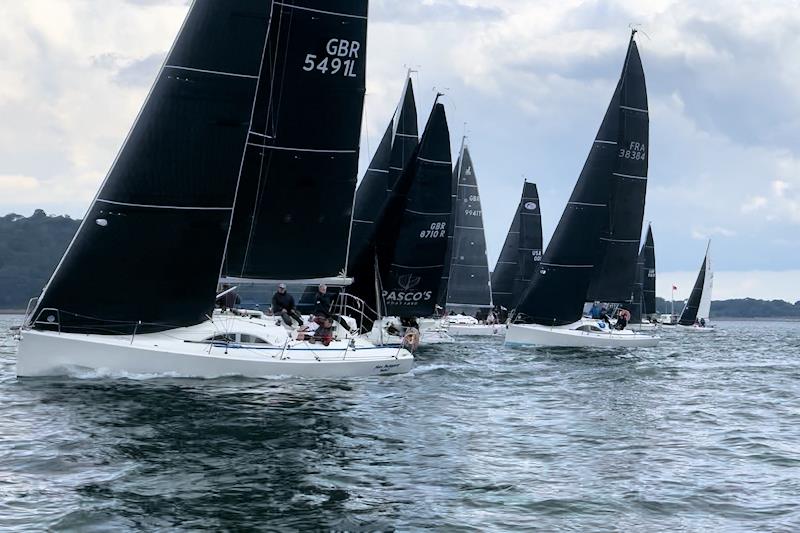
(295, 198)
(146, 257)
(614, 173)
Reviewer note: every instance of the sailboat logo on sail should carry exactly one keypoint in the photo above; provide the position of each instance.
(408, 281)
(531, 206)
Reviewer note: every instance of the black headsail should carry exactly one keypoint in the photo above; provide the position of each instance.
(150, 247)
(295, 199)
(530, 240)
(649, 274)
(519, 259)
(618, 158)
(394, 152)
(689, 314)
(411, 234)
(614, 275)
(468, 286)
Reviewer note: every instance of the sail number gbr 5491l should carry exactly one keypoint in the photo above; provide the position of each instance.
(340, 59)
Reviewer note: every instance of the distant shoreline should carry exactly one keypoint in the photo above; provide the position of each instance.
(12, 311)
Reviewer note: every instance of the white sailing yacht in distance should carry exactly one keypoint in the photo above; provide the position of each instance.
(135, 290)
(696, 313)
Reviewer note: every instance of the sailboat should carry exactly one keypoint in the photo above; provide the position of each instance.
(393, 154)
(468, 290)
(643, 306)
(401, 268)
(591, 255)
(134, 292)
(521, 253)
(696, 313)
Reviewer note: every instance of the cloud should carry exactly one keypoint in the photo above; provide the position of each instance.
(531, 81)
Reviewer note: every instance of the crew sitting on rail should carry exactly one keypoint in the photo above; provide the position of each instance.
(283, 305)
(622, 319)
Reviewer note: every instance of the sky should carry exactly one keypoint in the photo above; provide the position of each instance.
(527, 81)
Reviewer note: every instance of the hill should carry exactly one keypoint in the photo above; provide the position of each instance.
(30, 248)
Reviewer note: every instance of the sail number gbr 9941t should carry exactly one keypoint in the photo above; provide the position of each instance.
(340, 59)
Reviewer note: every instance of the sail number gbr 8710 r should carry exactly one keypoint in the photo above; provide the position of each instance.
(340, 59)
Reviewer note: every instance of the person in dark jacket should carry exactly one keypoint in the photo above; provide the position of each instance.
(283, 305)
(323, 302)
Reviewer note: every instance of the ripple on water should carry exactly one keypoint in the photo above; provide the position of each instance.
(699, 433)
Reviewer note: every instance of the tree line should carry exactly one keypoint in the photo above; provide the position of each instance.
(30, 248)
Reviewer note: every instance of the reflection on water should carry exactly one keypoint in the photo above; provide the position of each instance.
(698, 433)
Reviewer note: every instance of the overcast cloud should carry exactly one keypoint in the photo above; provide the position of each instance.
(530, 78)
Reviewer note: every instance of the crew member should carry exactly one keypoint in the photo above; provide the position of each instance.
(283, 305)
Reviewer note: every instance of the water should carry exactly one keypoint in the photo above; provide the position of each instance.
(699, 434)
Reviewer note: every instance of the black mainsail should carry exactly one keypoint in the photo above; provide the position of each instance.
(649, 274)
(392, 156)
(406, 256)
(522, 251)
(589, 230)
(295, 197)
(614, 275)
(468, 287)
(148, 252)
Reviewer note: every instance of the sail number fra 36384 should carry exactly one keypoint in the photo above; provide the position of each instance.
(340, 59)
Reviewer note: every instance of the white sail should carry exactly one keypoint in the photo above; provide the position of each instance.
(704, 310)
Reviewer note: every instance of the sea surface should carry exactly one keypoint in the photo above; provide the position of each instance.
(699, 434)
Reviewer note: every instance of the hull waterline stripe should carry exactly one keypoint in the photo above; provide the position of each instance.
(290, 149)
(217, 72)
(321, 11)
(177, 207)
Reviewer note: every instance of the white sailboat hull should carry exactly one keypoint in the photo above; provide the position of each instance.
(697, 329)
(175, 353)
(570, 336)
(475, 330)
